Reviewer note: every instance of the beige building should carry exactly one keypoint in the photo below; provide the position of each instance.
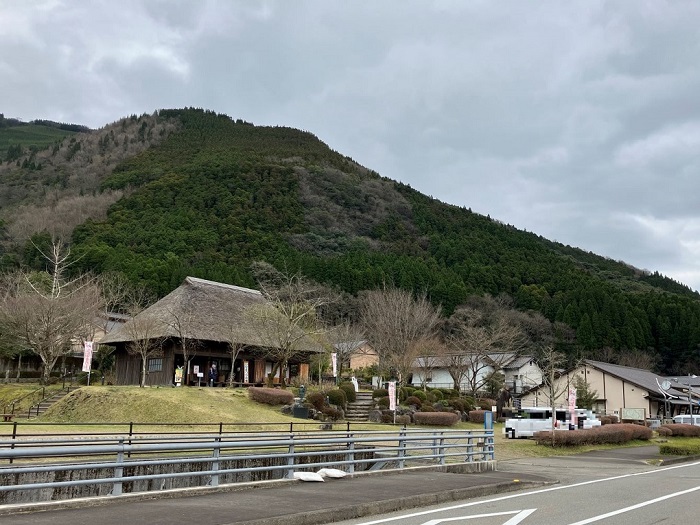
(629, 393)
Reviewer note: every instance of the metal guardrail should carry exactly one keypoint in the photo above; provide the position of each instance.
(209, 457)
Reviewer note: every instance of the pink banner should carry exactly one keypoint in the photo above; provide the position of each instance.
(334, 360)
(392, 395)
(87, 356)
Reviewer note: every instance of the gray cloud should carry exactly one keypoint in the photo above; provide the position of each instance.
(577, 121)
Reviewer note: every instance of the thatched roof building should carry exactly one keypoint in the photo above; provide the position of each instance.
(213, 314)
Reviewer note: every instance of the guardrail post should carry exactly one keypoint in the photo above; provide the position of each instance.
(402, 447)
(441, 449)
(490, 446)
(215, 463)
(350, 456)
(290, 459)
(131, 432)
(470, 449)
(14, 436)
(119, 470)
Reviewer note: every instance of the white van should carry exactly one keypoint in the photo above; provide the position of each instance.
(685, 420)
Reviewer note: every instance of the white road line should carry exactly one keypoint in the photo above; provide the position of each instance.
(634, 507)
(520, 515)
(532, 493)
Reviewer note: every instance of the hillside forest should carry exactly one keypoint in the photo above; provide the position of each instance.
(183, 192)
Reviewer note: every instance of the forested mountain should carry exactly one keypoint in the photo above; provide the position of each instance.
(205, 195)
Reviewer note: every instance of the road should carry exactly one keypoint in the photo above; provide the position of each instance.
(618, 493)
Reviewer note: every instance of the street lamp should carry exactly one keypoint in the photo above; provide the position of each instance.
(690, 397)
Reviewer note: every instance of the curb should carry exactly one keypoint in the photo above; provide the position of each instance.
(382, 507)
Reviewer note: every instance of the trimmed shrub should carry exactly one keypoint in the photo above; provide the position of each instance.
(383, 402)
(403, 419)
(380, 392)
(485, 403)
(681, 430)
(430, 396)
(664, 432)
(316, 399)
(459, 404)
(427, 407)
(438, 395)
(349, 390)
(477, 416)
(449, 393)
(271, 396)
(405, 392)
(413, 400)
(436, 418)
(420, 395)
(332, 413)
(677, 449)
(609, 420)
(470, 403)
(608, 434)
(337, 397)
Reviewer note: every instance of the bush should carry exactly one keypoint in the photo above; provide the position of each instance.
(430, 396)
(459, 404)
(608, 434)
(337, 397)
(383, 402)
(609, 420)
(420, 395)
(403, 419)
(427, 407)
(470, 403)
(436, 418)
(486, 403)
(681, 430)
(413, 400)
(405, 392)
(438, 395)
(271, 396)
(664, 432)
(380, 392)
(316, 399)
(678, 449)
(332, 413)
(477, 416)
(349, 390)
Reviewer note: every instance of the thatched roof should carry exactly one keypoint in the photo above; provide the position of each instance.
(207, 310)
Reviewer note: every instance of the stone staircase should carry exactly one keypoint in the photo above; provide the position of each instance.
(358, 410)
(44, 404)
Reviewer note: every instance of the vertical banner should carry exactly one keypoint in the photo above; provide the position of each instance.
(392, 395)
(87, 356)
(246, 372)
(334, 361)
(572, 405)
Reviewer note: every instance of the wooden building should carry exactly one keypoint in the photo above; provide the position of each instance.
(210, 319)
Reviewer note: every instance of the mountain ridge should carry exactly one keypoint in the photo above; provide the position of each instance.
(206, 195)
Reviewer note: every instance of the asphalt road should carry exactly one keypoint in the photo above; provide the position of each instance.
(597, 488)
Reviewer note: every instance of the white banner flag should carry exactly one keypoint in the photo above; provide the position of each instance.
(87, 356)
(334, 360)
(392, 395)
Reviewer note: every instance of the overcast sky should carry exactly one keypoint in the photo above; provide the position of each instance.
(576, 120)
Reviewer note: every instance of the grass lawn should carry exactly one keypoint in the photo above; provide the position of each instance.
(189, 407)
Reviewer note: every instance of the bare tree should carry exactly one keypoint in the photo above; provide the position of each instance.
(551, 363)
(345, 338)
(287, 322)
(430, 355)
(44, 311)
(395, 322)
(143, 341)
(481, 342)
(182, 323)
